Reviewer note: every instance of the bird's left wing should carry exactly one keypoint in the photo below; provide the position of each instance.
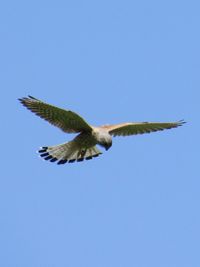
(132, 128)
(66, 120)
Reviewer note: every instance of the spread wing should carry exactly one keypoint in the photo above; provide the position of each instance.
(132, 128)
(66, 120)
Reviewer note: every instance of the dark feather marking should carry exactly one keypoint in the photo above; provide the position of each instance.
(71, 160)
(49, 157)
(44, 154)
(42, 150)
(62, 161)
(31, 97)
(79, 160)
(53, 159)
(88, 158)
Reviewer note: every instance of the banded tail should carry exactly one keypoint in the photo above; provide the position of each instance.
(68, 152)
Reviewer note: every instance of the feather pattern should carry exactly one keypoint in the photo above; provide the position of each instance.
(68, 121)
(68, 152)
(125, 129)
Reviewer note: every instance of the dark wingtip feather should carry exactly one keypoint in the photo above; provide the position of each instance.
(44, 154)
(32, 97)
(79, 160)
(71, 160)
(88, 158)
(94, 156)
(53, 159)
(48, 157)
(42, 150)
(62, 161)
(24, 99)
(181, 122)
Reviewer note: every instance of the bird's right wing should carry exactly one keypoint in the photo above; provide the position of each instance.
(133, 128)
(66, 120)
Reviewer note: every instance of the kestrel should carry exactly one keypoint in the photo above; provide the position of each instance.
(83, 146)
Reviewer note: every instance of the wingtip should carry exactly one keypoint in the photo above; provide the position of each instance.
(181, 122)
(32, 97)
(21, 99)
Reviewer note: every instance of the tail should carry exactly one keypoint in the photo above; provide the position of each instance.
(68, 152)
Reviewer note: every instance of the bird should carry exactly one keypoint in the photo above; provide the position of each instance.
(83, 146)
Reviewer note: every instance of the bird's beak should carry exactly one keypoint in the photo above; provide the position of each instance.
(108, 146)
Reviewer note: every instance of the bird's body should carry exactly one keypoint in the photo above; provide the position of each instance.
(83, 146)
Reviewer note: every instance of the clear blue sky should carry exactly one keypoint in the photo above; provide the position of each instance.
(110, 61)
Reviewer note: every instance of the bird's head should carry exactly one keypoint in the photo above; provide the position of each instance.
(103, 138)
(106, 144)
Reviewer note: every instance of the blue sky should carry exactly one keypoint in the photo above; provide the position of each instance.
(110, 61)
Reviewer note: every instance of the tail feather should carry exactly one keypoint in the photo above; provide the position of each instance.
(68, 152)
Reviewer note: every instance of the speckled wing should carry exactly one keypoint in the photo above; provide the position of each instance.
(125, 129)
(66, 120)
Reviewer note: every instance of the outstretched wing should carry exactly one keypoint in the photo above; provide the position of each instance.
(125, 129)
(66, 120)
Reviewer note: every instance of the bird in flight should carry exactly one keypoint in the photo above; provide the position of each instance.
(83, 146)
